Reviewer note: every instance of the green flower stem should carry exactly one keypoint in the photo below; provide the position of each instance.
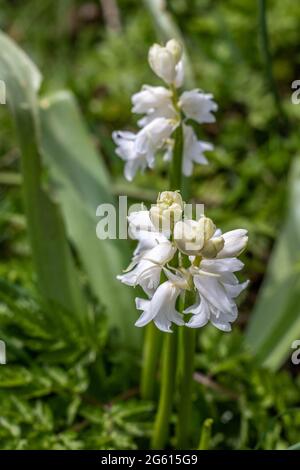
(205, 437)
(152, 348)
(186, 350)
(168, 377)
(176, 166)
(161, 425)
(152, 345)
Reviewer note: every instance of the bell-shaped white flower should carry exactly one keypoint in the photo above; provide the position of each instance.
(153, 136)
(166, 62)
(138, 150)
(126, 149)
(193, 150)
(198, 106)
(161, 308)
(235, 242)
(217, 287)
(150, 98)
(153, 101)
(142, 229)
(148, 269)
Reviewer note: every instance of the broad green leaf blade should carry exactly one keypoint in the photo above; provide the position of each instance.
(57, 276)
(275, 322)
(81, 184)
(295, 447)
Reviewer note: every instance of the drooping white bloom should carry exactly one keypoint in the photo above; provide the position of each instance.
(126, 149)
(153, 101)
(148, 268)
(165, 62)
(151, 97)
(142, 229)
(138, 150)
(161, 308)
(210, 274)
(152, 137)
(198, 106)
(235, 243)
(193, 150)
(162, 113)
(217, 287)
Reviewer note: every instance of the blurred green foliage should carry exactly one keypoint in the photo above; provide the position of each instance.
(60, 391)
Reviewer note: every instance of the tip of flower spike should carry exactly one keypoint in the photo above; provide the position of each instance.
(176, 49)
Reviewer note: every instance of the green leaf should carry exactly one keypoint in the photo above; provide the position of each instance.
(81, 183)
(14, 376)
(55, 267)
(295, 447)
(275, 322)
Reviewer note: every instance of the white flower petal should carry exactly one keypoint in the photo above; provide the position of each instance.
(235, 242)
(161, 308)
(234, 291)
(153, 136)
(198, 106)
(200, 312)
(221, 265)
(140, 220)
(223, 326)
(179, 74)
(126, 150)
(151, 98)
(213, 291)
(193, 150)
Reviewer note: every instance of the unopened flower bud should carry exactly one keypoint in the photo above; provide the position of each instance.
(168, 198)
(163, 62)
(167, 212)
(189, 237)
(175, 48)
(212, 247)
(208, 227)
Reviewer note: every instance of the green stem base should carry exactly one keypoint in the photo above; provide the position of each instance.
(152, 349)
(161, 425)
(187, 344)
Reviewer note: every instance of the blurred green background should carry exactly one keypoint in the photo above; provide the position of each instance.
(73, 382)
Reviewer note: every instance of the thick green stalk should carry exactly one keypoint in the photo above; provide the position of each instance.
(167, 387)
(152, 348)
(152, 345)
(161, 426)
(186, 350)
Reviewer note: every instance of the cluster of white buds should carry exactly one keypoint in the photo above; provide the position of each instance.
(205, 261)
(163, 112)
